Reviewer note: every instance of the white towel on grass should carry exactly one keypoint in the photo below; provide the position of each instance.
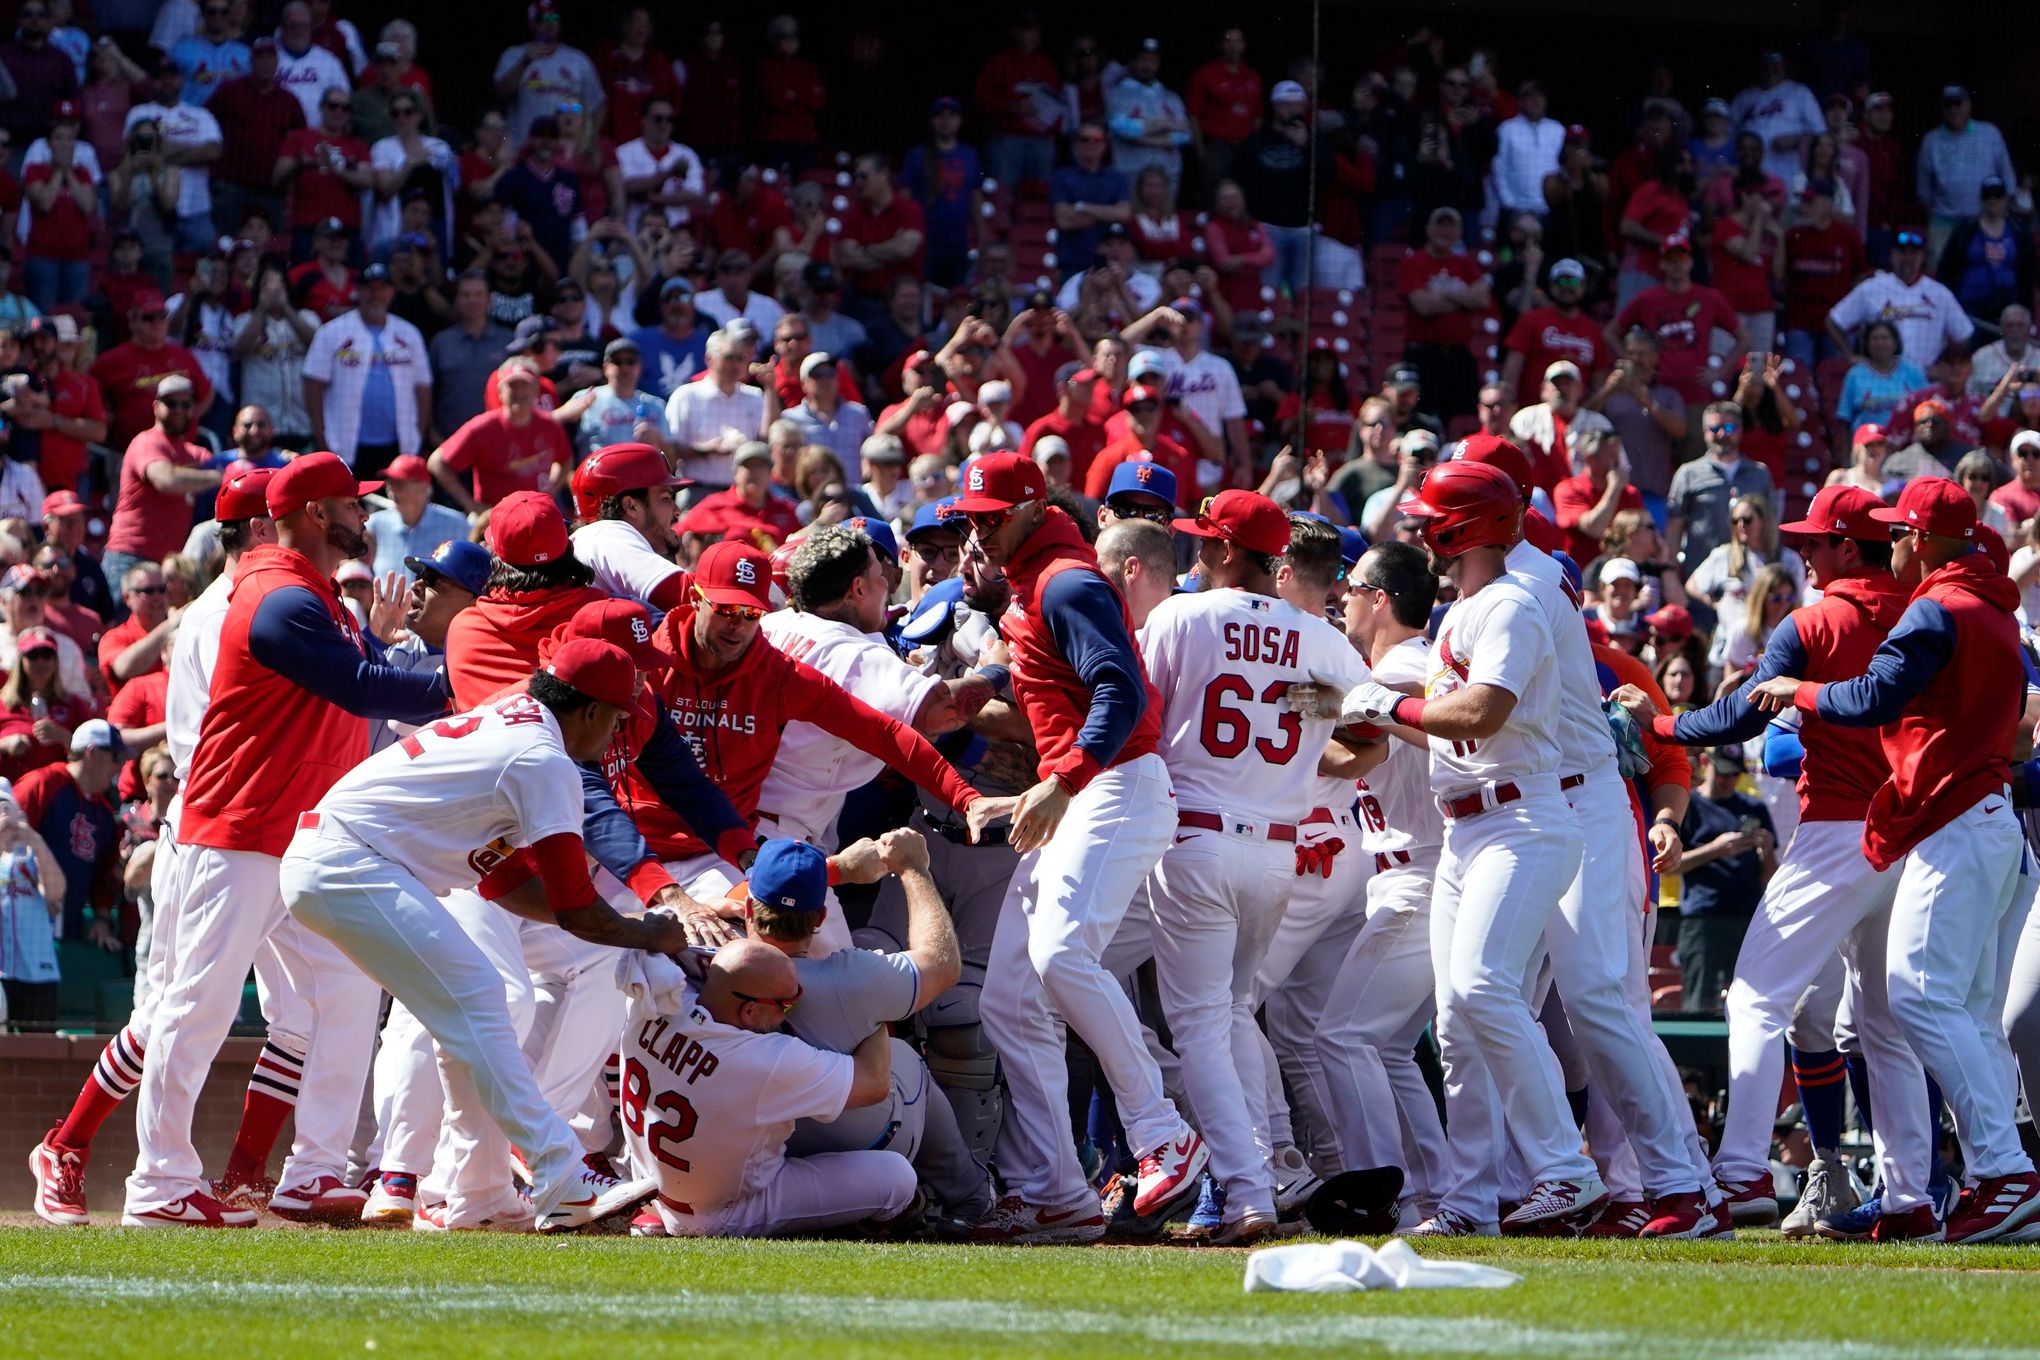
(1343, 1267)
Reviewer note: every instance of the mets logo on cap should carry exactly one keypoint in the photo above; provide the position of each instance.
(1144, 473)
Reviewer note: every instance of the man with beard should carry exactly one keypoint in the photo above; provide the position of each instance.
(161, 471)
(624, 497)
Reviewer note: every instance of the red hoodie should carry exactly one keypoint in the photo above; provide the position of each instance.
(493, 645)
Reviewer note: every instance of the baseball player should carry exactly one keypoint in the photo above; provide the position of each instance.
(1826, 896)
(714, 1062)
(1491, 712)
(448, 807)
(59, 1160)
(292, 685)
(1088, 833)
(537, 585)
(624, 495)
(1945, 689)
(1589, 941)
(1384, 992)
(1243, 764)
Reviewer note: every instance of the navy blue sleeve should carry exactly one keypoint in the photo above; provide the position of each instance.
(606, 829)
(1088, 622)
(2026, 784)
(294, 636)
(668, 765)
(1905, 664)
(1732, 717)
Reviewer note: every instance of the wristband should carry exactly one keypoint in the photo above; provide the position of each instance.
(1409, 711)
(999, 677)
(835, 872)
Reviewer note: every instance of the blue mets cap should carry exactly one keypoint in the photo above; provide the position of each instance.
(941, 514)
(459, 561)
(1143, 479)
(790, 874)
(1352, 546)
(880, 533)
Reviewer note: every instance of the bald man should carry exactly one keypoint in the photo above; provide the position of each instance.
(1139, 557)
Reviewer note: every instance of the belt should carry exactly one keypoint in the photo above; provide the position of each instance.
(1327, 817)
(1571, 781)
(960, 835)
(1211, 821)
(1388, 859)
(1479, 801)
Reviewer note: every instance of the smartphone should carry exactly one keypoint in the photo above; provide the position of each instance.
(1748, 825)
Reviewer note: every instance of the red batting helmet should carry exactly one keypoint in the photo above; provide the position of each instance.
(1497, 452)
(1465, 505)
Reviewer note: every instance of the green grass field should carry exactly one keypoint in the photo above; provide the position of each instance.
(238, 1295)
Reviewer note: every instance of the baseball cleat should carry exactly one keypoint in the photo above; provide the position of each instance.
(1016, 1222)
(59, 1184)
(323, 1199)
(1825, 1192)
(1357, 1203)
(432, 1218)
(1170, 1172)
(1682, 1215)
(252, 1195)
(1622, 1218)
(1450, 1223)
(1917, 1224)
(1558, 1208)
(647, 1223)
(1295, 1182)
(393, 1201)
(1249, 1229)
(1752, 1203)
(1853, 1225)
(594, 1197)
(1208, 1217)
(2002, 1209)
(195, 1210)
(1122, 1224)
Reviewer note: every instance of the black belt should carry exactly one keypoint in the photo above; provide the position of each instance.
(960, 835)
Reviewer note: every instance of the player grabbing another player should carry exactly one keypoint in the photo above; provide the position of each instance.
(1089, 832)
(623, 495)
(1946, 689)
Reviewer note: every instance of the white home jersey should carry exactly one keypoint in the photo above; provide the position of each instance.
(623, 560)
(191, 667)
(707, 1107)
(813, 769)
(1397, 810)
(1496, 636)
(1223, 662)
(1585, 744)
(454, 799)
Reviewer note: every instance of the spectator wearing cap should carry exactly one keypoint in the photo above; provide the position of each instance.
(413, 525)
(1148, 122)
(1143, 441)
(792, 341)
(1444, 287)
(824, 417)
(1927, 315)
(63, 523)
(578, 336)
(732, 297)
(1868, 445)
(73, 416)
(43, 76)
(1088, 195)
(1949, 388)
(1559, 331)
(203, 318)
(465, 356)
(1729, 854)
(749, 504)
(1782, 112)
(1544, 429)
(709, 420)
(63, 215)
(368, 381)
(1527, 147)
(659, 174)
(1273, 170)
(129, 374)
(516, 447)
(884, 236)
(1890, 198)
(885, 473)
(1823, 259)
(533, 77)
(1223, 101)
(1713, 146)
(1955, 160)
(1657, 210)
(820, 291)
(39, 708)
(946, 177)
(791, 95)
(191, 141)
(994, 428)
(1070, 421)
(918, 417)
(159, 475)
(69, 805)
(1683, 316)
(615, 411)
(213, 55)
(675, 348)
(1416, 454)
(1586, 503)
(1988, 261)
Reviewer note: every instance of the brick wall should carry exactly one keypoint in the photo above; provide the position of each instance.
(39, 1078)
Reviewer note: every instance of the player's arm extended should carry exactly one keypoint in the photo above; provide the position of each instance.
(1088, 622)
(871, 1071)
(1473, 713)
(931, 938)
(572, 902)
(1734, 717)
(813, 697)
(667, 762)
(293, 634)
(1905, 663)
(1350, 756)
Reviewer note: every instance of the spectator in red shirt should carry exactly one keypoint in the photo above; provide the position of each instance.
(1070, 421)
(134, 647)
(1823, 259)
(1240, 248)
(128, 375)
(1224, 104)
(748, 504)
(883, 236)
(324, 285)
(633, 70)
(1587, 502)
(326, 170)
(1162, 233)
(713, 106)
(1320, 419)
(1018, 93)
(1742, 253)
(750, 216)
(1042, 342)
(37, 714)
(1443, 287)
(158, 477)
(790, 95)
(1143, 442)
(63, 217)
(1683, 316)
(1892, 204)
(1659, 208)
(77, 414)
(1559, 330)
(515, 448)
(917, 419)
(257, 113)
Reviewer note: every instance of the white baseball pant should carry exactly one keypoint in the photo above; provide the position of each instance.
(1593, 944)
(388, 923)
(577, 1013)
(1218, 898)
(2022, 991)
(1500, 876)
(1385, 996)
(1062, 908)
(1955, 896)
(806, 1194)
(154, 945)
(1825, 901)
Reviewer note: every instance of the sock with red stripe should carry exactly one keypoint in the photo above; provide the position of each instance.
(114, 1078)
(272, 1095)
(1822, 1078)
(612, 1079)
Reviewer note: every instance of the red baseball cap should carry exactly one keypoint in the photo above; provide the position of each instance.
(1678, 243)
(625, 624)
(1000, 481)
(1673, 624)
(1932, 406)
(408, 467)
(1542, 534)
(1993, 546)
(1869, 432)
(1244, 517)
(735, 573)
(1932, 505)
(619, 468)
(1501, 455)
(35, 640)
(244, 495)
(148, 300)
(314, 477)
(1138, 392)
(601, 670)
(62, 503)
(526, 529)
(1846, 510)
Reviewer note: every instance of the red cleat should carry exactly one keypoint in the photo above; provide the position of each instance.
(59, 1184)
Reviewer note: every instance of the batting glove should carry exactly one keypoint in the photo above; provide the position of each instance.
(1318, 699)
(1369, 702)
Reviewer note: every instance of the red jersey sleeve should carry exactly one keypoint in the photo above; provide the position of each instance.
(813, 697)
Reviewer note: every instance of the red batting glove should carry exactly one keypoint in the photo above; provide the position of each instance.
(1327, 851)
(1306, 860)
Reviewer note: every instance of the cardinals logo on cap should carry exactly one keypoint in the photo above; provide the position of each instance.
(747, 572)
(977, 479)
(638, 631)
